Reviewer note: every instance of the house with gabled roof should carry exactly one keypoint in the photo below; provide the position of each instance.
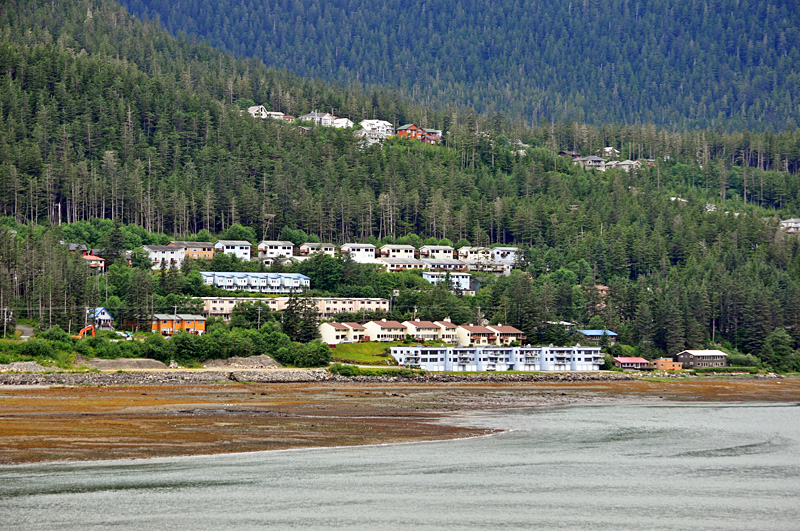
(506, 335)
(628, 362)
(308, 249)
(384, 330)
(423, 330)
(596, 335)
(702, 358)
(271, 249)
(238, 248)
(363, 253)
(323, 119)
(101, 318)
(447, 330)
(475, 335)
(436, 252)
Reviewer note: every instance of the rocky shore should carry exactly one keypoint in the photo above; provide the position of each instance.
(206, 377)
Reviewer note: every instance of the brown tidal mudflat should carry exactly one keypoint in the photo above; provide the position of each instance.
(88, 423)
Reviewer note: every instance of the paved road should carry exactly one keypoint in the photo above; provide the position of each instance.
(27, 331)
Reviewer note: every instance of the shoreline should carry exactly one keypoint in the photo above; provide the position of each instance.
(58, 423)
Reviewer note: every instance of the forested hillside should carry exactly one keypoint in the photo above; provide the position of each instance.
(104, 117)
(681, 64)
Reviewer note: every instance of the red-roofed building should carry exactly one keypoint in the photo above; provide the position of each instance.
(631, 363)
(384, 330)
(97, 264)
(333, 333)
(447, 331)
(357, 332)
(423, 330)
(475, 335)
(506, 334)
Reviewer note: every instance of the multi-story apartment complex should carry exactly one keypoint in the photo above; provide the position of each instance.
(259, 282)
(491, 358)
(326, 306)
(168, 254)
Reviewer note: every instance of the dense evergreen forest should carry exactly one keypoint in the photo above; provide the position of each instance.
(110, 127)
(678, 64)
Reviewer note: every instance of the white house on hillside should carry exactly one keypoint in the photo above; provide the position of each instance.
(320, 118)
(169, 254)
(343, 123)
(363, 253)
(238, 248)
(436, 252)
(271, 249)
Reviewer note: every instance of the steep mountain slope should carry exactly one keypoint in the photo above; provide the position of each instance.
(731, 63)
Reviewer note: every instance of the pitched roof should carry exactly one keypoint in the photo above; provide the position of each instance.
(711, 352)
(477, 329)
(505, 329)
(446, 324)
(591, 333)
(233, 242)
(355, 326)
(337, 326)
(388, 324)
(623, 359)
(421, 324)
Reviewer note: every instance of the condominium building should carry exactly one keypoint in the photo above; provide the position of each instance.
(490, 358)
(259, 282)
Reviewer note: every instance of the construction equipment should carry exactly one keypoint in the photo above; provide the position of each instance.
(83, 331)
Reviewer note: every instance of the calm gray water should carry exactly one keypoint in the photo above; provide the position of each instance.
(645, 466)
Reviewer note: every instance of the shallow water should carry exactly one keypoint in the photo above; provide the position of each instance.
(633, 466)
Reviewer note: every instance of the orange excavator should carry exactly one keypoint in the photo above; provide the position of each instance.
(83, 331)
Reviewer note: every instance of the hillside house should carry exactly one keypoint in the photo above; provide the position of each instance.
(469, 335)
(363, 253)
(238, 248)
(385, 331)
(396, 251)
(377, 130)
(596, 335)
(474, 254)
(608, 151)
(308, 249)
(343, 123)
(591, 163)
(504, 254)
(400, 264)
(277, 283)
(505, 334)
(96, 264)
(459, 281)
(447, 330)
(791, 226)
(323, 119)
(443, 264)
(100, 318)
(411, 131)
(271, 249)
(436, 252)
(195, 250)
(423, 330)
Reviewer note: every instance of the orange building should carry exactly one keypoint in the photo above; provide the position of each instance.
(196, 250)
(167, 324)
(665, 364)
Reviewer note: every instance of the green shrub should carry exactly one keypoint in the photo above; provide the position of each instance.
(725, 370)
(36, 348)
(54, 334)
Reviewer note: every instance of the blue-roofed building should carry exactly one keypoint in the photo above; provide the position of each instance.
(277, 283)
(595, 335)
(101, 318)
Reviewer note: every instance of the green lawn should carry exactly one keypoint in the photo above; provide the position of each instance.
(365, 353)
(371, 353)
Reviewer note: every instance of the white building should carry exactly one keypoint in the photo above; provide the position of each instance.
(320, 118)
(436, 252)
(363, 253)
(308, 249)
(169, 254)
(790, 226)
(377, 129)
(461, 359)
(272, 249)
(326, 306)
(384, 330)
(423, 330)
(238, 248)
(474, 254)
(396, 251)
(443, 264)
(459, 281)
(343, 123)
(506, 255)
(337, 333)
(258, 282)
